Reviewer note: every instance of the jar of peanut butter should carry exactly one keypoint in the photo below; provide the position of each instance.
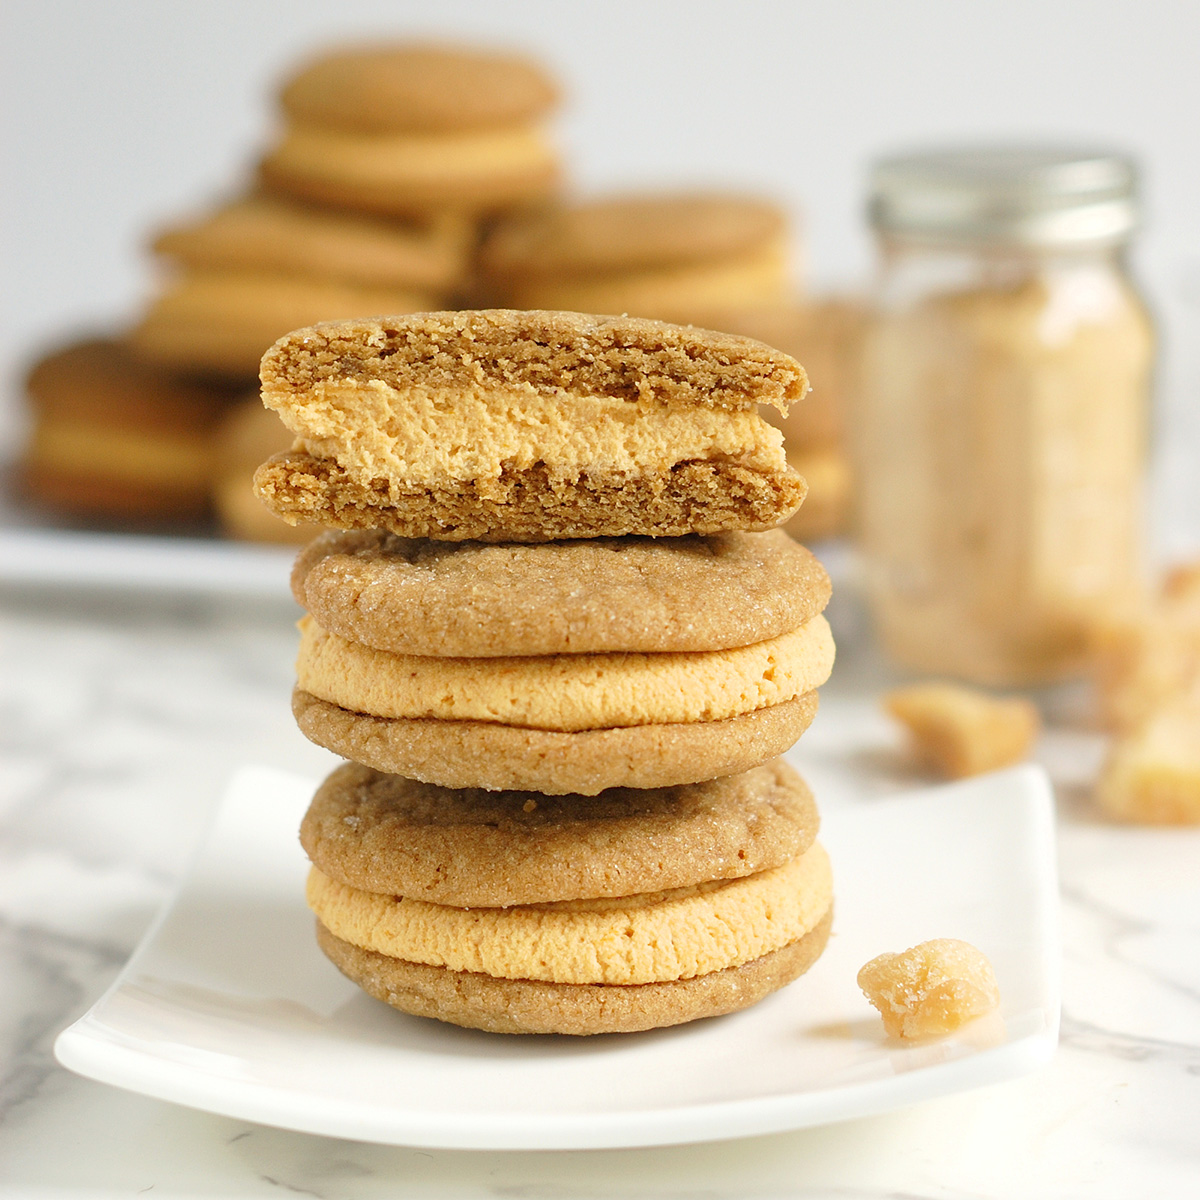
(1000, 438)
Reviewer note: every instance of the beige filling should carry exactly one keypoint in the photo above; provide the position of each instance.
(647, 939)
(411, 158)
(429, 436)
(566, 692)
(678, 293)
(176, 460)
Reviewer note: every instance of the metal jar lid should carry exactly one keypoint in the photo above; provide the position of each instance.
(1026, 195)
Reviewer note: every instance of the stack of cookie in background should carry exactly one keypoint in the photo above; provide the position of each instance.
(418, 178)
(563, 656)
(718, 261)
(392, 161)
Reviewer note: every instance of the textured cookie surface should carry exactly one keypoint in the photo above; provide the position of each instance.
(469, 847)
(418, 88)
(648, 938)
(533, 505)
(475, 600)
(528, 1006)
(482, 754)
(566, 692)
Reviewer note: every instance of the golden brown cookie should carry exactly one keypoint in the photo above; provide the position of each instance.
(566, 692)
(410, 129)
(418, 88)
(480, 1001)
(482, 754)
(664, 255)
(474, 848)
(515, 426)
(221, 321)
(276, 236)
(116, 437)
(652, 937)
(246, 435)
(479, 600)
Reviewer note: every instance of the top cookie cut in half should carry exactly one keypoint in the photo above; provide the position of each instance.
(500, 425)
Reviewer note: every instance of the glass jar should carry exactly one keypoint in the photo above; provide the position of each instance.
(1000, 439)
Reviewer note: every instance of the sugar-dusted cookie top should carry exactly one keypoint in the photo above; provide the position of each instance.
(387, 834)
(473, 599)
(418, 88)
(630, 233)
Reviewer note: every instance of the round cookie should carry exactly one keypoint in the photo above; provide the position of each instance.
(664, 255)
(411, 129)
(566, 692)
(116, 437)
(418, 88)
(480, 1001)
(475, 848)
(480, 600)
(481, 754)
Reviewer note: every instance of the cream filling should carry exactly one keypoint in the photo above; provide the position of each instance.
(171, 459)
(676, 293)
(411, 158)
(566, 692)
(654, 938)
(429, 436)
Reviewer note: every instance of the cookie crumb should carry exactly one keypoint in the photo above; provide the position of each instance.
(961, 731)
(529, 805)
(930, 989)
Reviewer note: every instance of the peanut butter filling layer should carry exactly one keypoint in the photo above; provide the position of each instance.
(647, 938)
(410, 158)
(568, 692)
(167, 458)
(423, 435)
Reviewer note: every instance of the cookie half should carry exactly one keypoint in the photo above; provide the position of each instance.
(477, 600)
(483, 754)
(474, 848)
(529, 426)
(480, 1001)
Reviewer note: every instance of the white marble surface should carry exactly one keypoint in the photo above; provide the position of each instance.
(122, 716)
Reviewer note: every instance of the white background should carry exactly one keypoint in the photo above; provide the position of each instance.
(121, 114)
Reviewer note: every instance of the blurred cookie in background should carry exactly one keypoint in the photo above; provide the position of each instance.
(260, 267)
(115, 438)
(249, 434)
(409, 129)
(670, 256)
(824, 335)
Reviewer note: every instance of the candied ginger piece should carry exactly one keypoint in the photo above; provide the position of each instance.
(930, 989)
(1153, 774)
(1151, 653)
(962, 731)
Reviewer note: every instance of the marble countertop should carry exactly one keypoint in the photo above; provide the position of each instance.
(123, 715)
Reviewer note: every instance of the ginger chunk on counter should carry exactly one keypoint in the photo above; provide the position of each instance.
(1153, 774)
(961, 731)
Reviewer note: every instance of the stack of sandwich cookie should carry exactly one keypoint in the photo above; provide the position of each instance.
(411, 129)
(564, 811)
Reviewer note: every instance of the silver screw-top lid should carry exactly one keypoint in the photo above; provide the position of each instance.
(1026, 195)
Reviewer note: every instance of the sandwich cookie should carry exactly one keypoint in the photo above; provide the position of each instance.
(738, 899)
(410, 129)
(667, 256)
(116, 437)
(528, 426)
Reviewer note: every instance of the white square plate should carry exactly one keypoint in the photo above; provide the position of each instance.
(229, 1006)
